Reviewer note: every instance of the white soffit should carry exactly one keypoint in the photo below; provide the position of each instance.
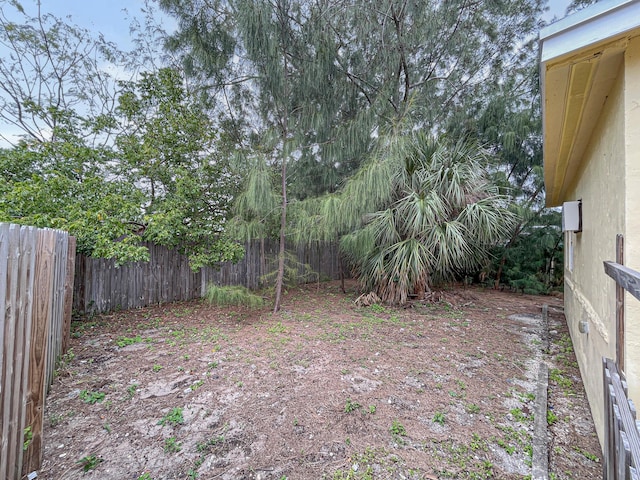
(600, 22)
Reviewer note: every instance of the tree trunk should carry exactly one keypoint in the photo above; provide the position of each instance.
(283, 226)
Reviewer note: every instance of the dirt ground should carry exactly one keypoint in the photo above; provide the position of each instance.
(323, 389)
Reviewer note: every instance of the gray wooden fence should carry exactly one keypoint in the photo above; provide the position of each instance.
(101, 286)
(36, 285)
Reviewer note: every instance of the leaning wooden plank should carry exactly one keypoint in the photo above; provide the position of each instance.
(4, 280)
(625, 276)
(38, 355)
(25, 297)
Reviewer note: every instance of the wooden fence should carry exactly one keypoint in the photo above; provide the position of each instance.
(101, 286)
(622, 435)
(36, 286)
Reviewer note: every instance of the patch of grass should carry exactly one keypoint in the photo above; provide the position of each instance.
(351, 406)
(124, 341)
(91, 397)
(277, 328)
(233, 295)
(472, 408)
(587, 455)
(171, 445)
(131, 390)
(519, 415)
(439, 418)
(197, 384)
(397, 429)
(89, 462)
(556, 375)
(174, 417)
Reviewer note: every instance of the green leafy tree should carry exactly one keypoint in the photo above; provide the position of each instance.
(168, 149)
(62, 184)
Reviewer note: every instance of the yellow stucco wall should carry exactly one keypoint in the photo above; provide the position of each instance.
(589, 292)
(632, 211)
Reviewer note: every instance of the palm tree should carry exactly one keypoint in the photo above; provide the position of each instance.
(435, 215)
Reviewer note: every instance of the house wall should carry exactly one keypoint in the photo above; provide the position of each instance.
(632, 214)
(589, 292)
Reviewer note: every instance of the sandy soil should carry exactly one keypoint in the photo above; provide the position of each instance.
(323, 389)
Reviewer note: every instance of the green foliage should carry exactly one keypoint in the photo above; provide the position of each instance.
(168, 149)
(171, 445)
(91, 397)
(437, 216)
(89, 462)
(533, 262)
(351, 406)
(233, 295)
(173, 418)
(294, 272)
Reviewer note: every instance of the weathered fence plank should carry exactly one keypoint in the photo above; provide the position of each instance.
(624, 276)
(4, 425)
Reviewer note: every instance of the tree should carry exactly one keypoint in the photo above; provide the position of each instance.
(51, 66)
(62, 184)
(168, 149)
(435, 215)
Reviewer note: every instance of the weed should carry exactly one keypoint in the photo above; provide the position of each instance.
(551, 417)
(171, 445)
(556, 376)
(124, 341)
(185, 357)
(518, 415)
(174, 417)
(156, 368)
(472, 408)
(397, 429)
(55, 419)
(91, 397)
(351, 406)
(439, 418)
(89, 462)
(145, 476)
(27, 436)
(107, 427)
(377, 308)
(277, 328)
(372, 409)
(197, 384)
(212, 365)
(587, 455)
(131, 390)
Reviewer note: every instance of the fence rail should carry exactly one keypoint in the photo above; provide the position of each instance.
(36, 285)
(101, 286)
(622, 430)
